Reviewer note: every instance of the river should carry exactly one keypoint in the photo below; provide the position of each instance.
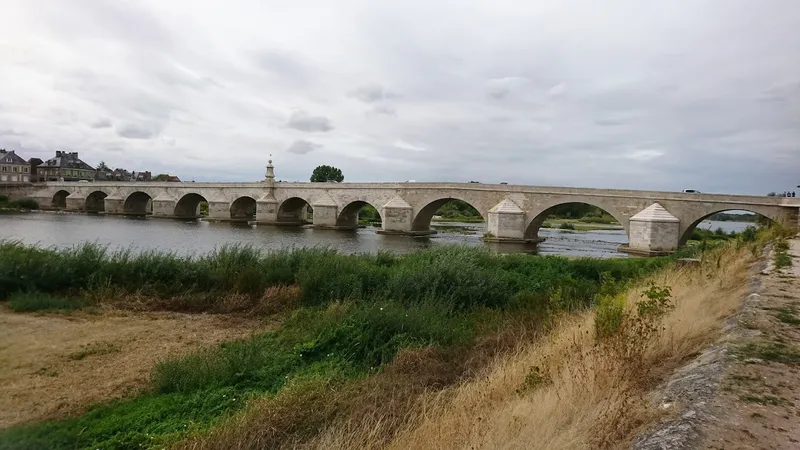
(197, 237)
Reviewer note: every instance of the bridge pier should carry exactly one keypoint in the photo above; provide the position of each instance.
(325, 212)
(219, 210)
(164, 205)
(653, 231)
(114, 204)
(506, 223)
(267, 209)
(76, 202)
(396, 216)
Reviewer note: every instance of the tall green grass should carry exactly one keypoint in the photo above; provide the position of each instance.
(460, 276)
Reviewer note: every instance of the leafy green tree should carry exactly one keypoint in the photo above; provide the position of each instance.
(323, 174)
(457, 208)
(102, 167)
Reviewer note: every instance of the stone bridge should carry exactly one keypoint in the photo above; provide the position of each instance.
(655, 222)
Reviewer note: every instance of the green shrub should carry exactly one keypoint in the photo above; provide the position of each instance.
(566, 226)
(609, 315)
(27, 203)
(782, 260)
(750, 234)
(604, 219)
(37, 301)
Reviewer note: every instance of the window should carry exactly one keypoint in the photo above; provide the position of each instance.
(25, 169)
(14, 169)
(5, 169)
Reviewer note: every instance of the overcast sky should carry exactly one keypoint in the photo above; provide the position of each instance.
(622, 94)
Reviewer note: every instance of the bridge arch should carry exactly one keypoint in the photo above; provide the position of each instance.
(689, 230)
(294, 211)
(188, 206)
(422, 219)
(243, 208)
(59, 199)
(539, 218)
(350, 214)
(95, 201)
(138, 203)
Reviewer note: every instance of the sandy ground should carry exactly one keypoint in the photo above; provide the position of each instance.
(52, 365)
(758, 405)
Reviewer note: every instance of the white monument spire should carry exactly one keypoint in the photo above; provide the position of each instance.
(270, 176)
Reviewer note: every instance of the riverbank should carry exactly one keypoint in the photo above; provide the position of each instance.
(360, 334)
(592, 382)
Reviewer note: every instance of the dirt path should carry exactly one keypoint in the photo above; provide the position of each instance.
(758, 405)
(53, 365)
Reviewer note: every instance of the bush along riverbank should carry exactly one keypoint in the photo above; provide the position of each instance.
(360, 334)
(25, 204)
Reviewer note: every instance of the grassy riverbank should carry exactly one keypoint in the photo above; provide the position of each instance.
(366, 330)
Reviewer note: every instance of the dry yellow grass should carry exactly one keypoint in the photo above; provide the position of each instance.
(581, 395)
(54, 365)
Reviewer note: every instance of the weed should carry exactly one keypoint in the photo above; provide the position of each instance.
(534, 379)
(95, 349)
(771, 351)
(782, 260)
(762, 399)
(786, 315)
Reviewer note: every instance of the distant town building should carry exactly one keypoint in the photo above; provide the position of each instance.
(141, 176)
(166, 177)
(13, 168)
(122, 175)
(66, 166)
(36, 176)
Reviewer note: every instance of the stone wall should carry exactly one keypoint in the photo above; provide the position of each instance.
(17, 191)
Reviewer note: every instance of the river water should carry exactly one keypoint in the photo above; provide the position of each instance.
(197, 237)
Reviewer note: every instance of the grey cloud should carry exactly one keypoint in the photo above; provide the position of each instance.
(287, 68)
(302, 147)
(101, 123)
(609, 121)
(385, 109)
(121, 21)
(514, 93)
(373, 93)
(499, 88)
(302, 121)
(131, 131)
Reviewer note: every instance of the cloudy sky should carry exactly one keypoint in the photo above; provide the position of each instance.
(631, 94)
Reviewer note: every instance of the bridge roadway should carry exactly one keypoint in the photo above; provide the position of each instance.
(656, 222)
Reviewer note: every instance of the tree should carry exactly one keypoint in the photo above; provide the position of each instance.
(102, 167)
(323, 174)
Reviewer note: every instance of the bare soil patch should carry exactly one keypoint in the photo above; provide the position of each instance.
(53, 365)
